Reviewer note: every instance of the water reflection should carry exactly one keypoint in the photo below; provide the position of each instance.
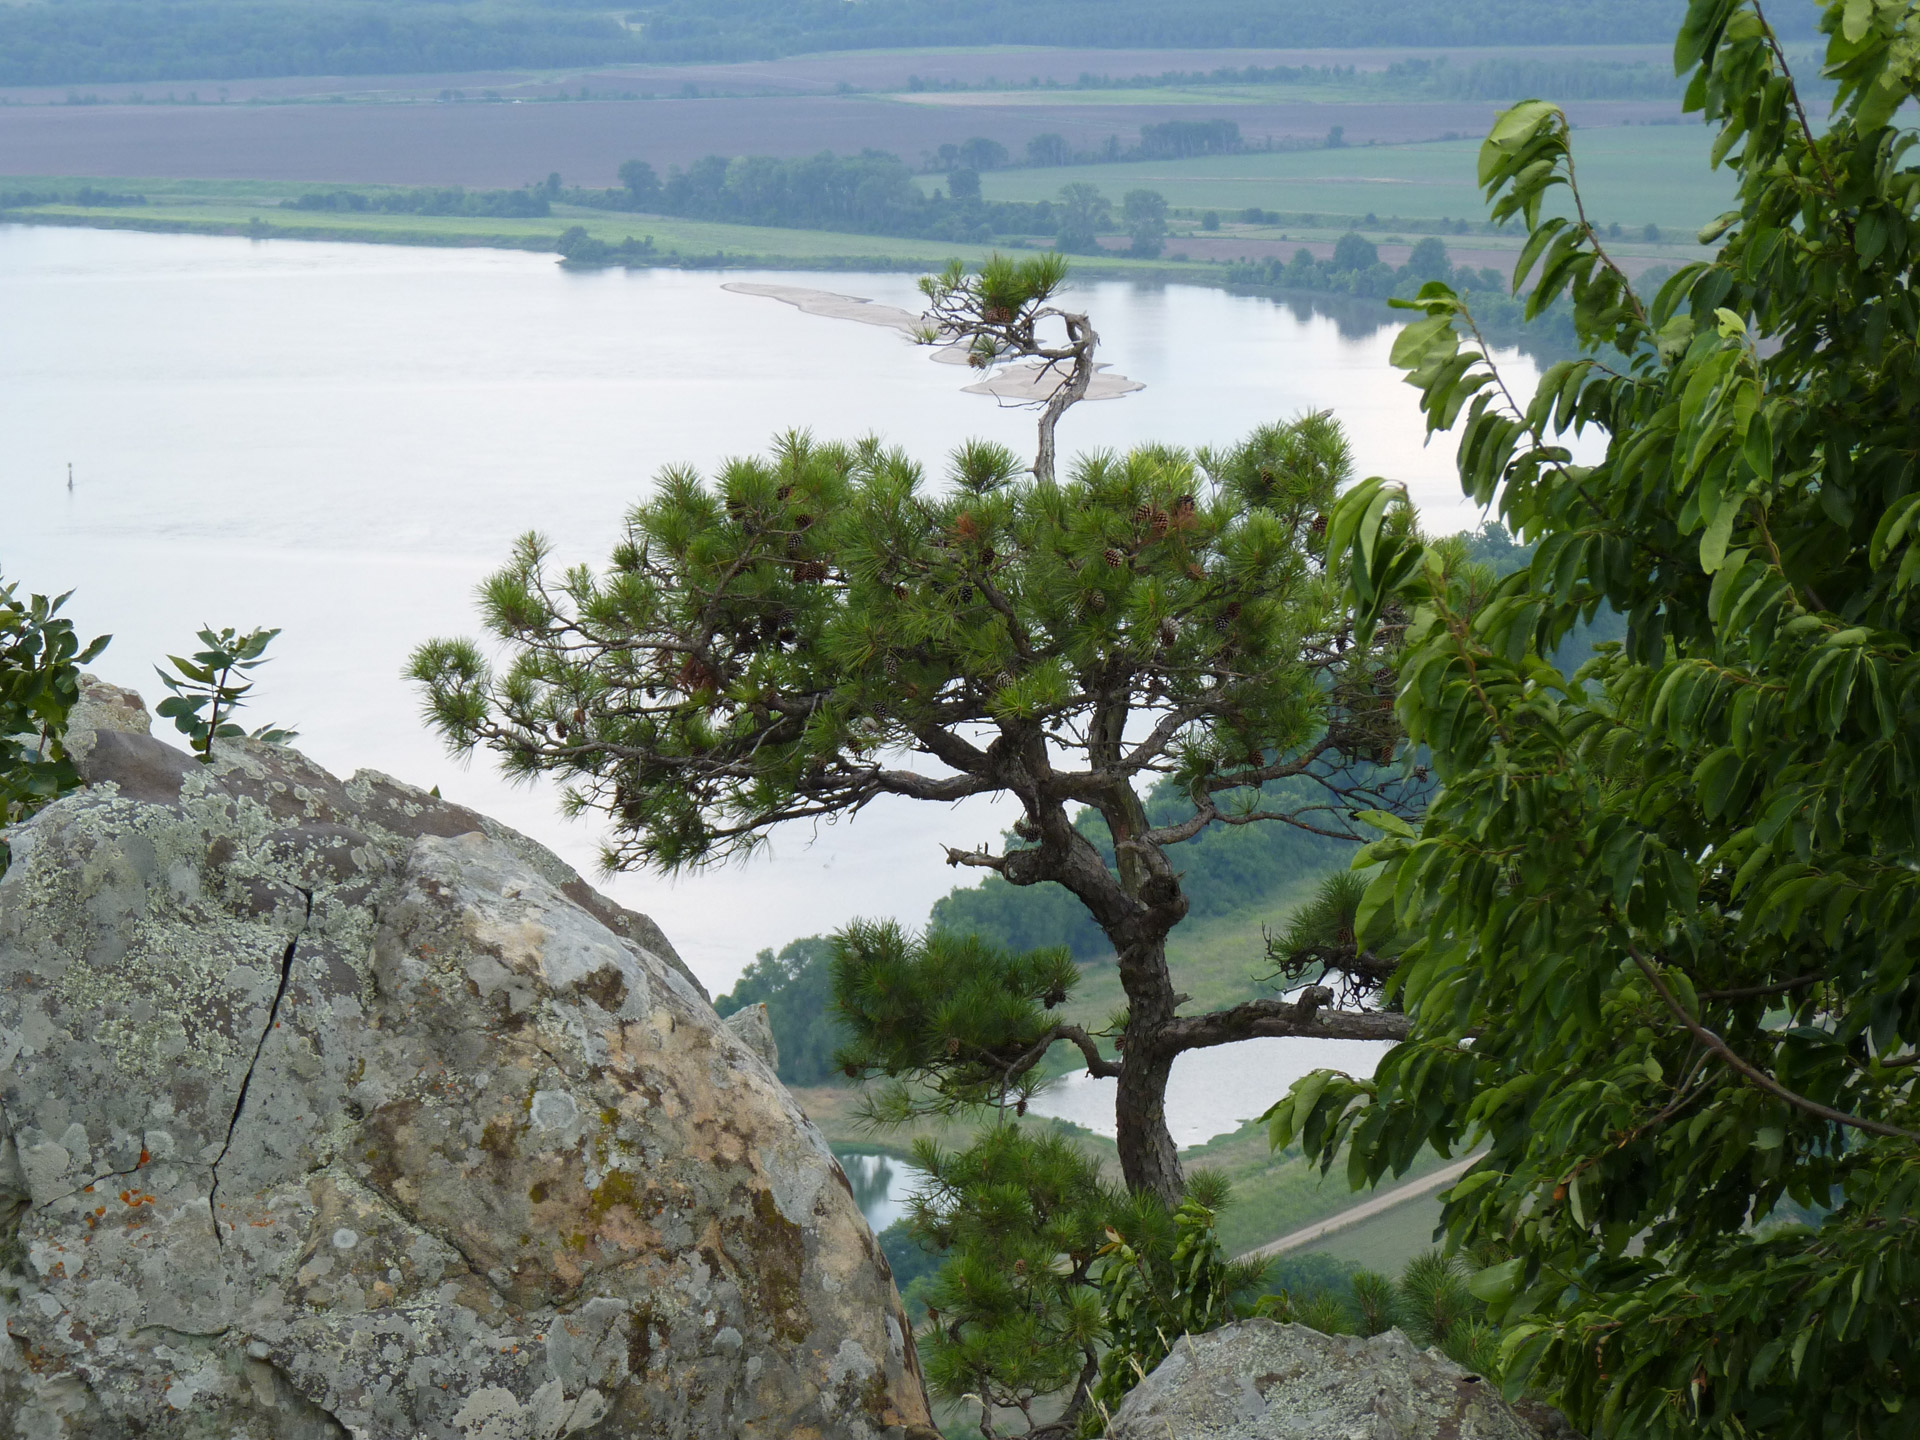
(881, 1184)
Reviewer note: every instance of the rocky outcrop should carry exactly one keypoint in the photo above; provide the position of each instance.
(1260, 1380)
(328, 1108)
(754, 1026)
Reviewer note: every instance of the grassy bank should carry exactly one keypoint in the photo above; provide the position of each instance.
(253, 208)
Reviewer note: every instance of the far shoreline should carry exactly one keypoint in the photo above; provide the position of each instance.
(670, 234)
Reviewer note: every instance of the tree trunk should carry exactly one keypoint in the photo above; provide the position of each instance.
(1148, 1160)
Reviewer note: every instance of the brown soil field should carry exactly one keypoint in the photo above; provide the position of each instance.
(585, 141)
(798, 75)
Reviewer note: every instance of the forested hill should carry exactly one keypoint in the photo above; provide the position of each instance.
(723, 29)
(78, 41)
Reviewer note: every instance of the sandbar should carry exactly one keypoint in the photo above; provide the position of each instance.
(1029, 384)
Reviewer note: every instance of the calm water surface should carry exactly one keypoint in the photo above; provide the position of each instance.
(881, 1184)
(341, 440)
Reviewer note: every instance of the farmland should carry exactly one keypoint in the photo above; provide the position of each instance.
(479, 143)
(1633, 175)
(989, 67)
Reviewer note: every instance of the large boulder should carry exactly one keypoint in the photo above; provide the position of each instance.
(328, 1108)
(1260, 1380)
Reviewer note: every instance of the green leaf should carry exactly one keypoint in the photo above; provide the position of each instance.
(1497, 1283)
(1713, 540)
(1386, 820)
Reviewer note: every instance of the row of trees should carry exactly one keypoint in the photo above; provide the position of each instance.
(1355, 268)
(717, 29)
(527, 202)
(106, 40)
(1169, 139)
(875, 193)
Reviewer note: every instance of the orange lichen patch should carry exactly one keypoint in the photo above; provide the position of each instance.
(146, 1158)
(137, 1198)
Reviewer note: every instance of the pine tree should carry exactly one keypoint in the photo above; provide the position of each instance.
(772, 645)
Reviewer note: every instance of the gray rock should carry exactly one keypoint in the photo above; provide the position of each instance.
(328, 1108)
(103, 707)
(755, 1028)
(1260, 1380)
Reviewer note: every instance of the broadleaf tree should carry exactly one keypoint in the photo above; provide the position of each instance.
(1661, 924)
(818, 628)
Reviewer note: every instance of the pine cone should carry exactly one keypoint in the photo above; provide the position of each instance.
(1115, 558)
(1144, 512)
(1161, 521)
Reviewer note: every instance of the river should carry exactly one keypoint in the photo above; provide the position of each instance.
(341, 440)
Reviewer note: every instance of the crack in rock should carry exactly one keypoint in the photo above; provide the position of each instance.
(246, 1081)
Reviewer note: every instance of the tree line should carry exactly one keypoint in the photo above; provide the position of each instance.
(1355, 268)
(874, 193)
(724, 29)
(118, 40)
(113, 40)
(525, 203)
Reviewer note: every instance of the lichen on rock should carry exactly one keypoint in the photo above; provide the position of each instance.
(330, 1108)
(1260, 1380)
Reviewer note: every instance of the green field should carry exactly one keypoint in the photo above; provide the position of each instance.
(1386, 1241)
(1633, 175)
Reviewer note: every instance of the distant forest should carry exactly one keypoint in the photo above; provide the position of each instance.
(78, 41)
(741, 29)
